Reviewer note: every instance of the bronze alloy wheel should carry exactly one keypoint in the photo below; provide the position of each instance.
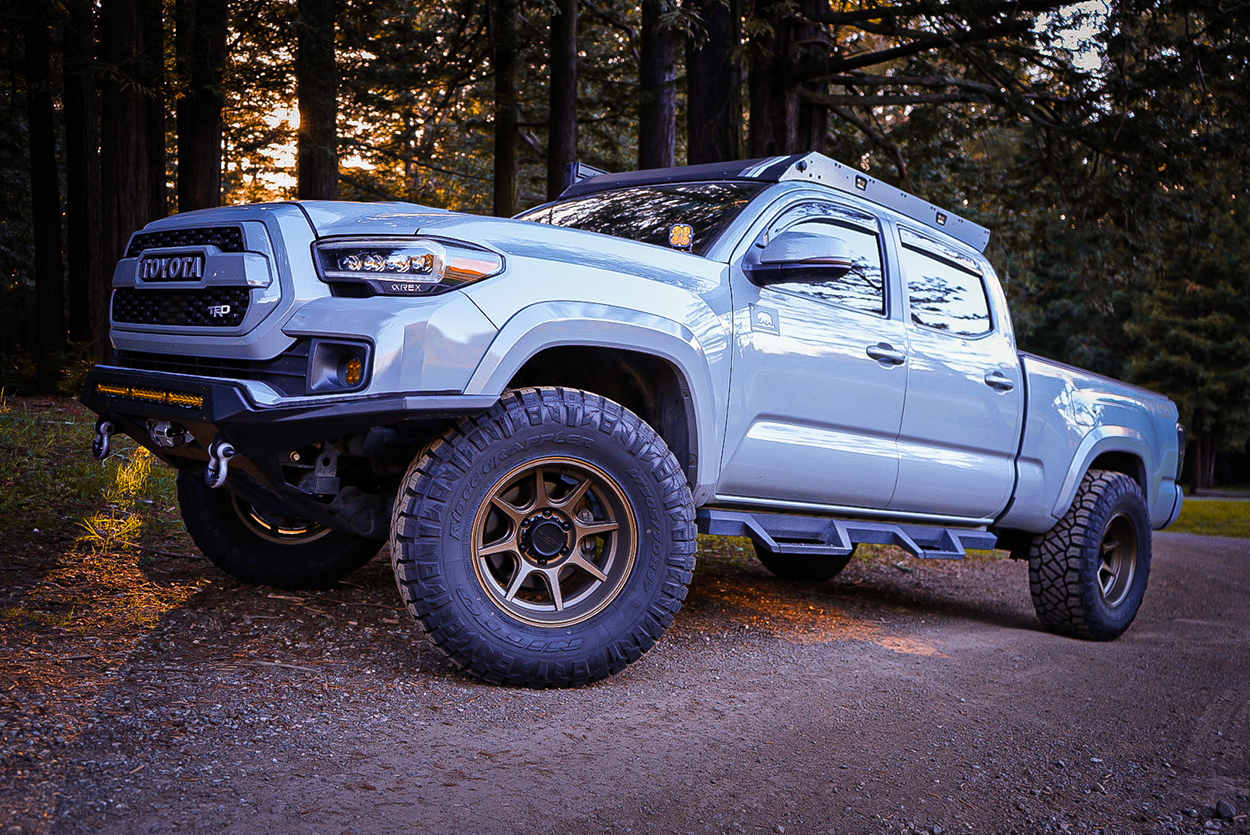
(273, 527)
(1119, 560)
(554, 542)
(547, 542)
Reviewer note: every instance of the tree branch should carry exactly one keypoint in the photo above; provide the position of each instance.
(877, 138)
(833, 18)
(817, 70)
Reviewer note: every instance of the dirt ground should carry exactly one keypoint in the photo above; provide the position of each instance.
(901, 697)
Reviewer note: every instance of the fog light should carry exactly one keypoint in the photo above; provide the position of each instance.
(353, 372)
(337, 366)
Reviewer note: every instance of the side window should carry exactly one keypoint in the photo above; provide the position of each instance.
(945, 287)
(863, 288)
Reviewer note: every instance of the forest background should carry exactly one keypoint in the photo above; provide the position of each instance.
(1105, 144)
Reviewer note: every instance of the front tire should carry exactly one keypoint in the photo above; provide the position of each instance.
(1088, 573)
(546, 543)
(263, 548)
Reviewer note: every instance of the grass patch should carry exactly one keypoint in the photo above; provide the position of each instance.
(85, 545)
(1215, 517)
(50, 482)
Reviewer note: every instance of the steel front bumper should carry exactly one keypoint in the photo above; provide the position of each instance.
(204, 412)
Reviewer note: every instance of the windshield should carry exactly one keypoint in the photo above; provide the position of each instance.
(685, 216)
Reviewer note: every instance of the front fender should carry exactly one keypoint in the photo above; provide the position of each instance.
(571, 323)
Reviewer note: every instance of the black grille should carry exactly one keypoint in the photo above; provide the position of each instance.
(181, 307)
(286, 372)
(225, 238)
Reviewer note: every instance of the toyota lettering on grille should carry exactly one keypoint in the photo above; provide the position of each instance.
(172, 268)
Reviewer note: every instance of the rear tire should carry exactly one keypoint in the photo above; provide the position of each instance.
(1088, 573)
(804, 568)
(262, 548)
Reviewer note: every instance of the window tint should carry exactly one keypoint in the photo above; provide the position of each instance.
(652, 214)
(863, 288)
(945, 288)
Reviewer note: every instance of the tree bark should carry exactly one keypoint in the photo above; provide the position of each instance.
(316, 83)
(714, 84)
(657, 81)
(507, 132)
(811, 44)
(123, 147)
(1202, 459)
(201, 61)
(562, 130)
(45, 195)
(152, 80)
(89, 280)
(771, 90)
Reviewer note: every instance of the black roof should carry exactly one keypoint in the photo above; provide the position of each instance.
(747, 169)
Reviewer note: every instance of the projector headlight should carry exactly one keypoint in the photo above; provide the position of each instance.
(402, 266)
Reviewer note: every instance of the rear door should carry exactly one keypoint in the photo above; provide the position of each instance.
(965, 394)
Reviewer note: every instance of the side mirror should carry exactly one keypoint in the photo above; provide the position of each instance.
(800, 256)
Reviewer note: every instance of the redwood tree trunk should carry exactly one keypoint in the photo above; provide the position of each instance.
(316, 84)
(657, 81)
(123, 148)
(773, 97)
(89, 280)
(507, 133)
(45, 195)
(152, 80)
(562, 130)
(714, 85)
(201, 48)
(811, 44)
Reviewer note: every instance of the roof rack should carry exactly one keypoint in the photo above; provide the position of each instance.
(811, 167)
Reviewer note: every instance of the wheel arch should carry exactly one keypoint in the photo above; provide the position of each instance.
(648, 386)
(1115, 448)
(655, 367)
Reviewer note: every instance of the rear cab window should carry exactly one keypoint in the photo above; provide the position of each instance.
(945, 287)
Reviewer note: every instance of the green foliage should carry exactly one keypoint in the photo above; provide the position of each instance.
(1214, 517)
(49, 481)
(1192, 322)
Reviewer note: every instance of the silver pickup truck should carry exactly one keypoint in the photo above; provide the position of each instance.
(540, 413)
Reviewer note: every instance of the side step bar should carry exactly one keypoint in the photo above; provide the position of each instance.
(785, 534)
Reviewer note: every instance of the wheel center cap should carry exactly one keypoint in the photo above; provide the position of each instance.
(546, 540)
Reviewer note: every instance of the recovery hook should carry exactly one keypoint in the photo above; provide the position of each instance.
(100, 446)
(219, 454)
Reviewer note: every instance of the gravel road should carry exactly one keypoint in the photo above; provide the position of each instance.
(901, 697)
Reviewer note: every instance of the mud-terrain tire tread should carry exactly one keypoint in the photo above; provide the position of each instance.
(216, 529)
(802, 568)
(421, 510)
(1064, 561)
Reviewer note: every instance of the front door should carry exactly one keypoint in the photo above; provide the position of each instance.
(818, 376)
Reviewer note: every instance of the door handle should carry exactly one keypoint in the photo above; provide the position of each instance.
(885, 353)
(999, 381)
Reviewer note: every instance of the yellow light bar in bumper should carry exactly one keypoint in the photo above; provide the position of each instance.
(181, 399)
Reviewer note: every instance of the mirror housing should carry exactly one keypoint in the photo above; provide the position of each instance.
(800, 256)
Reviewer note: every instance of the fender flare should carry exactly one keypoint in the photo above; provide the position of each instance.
(556, 324)
(1099, 441)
